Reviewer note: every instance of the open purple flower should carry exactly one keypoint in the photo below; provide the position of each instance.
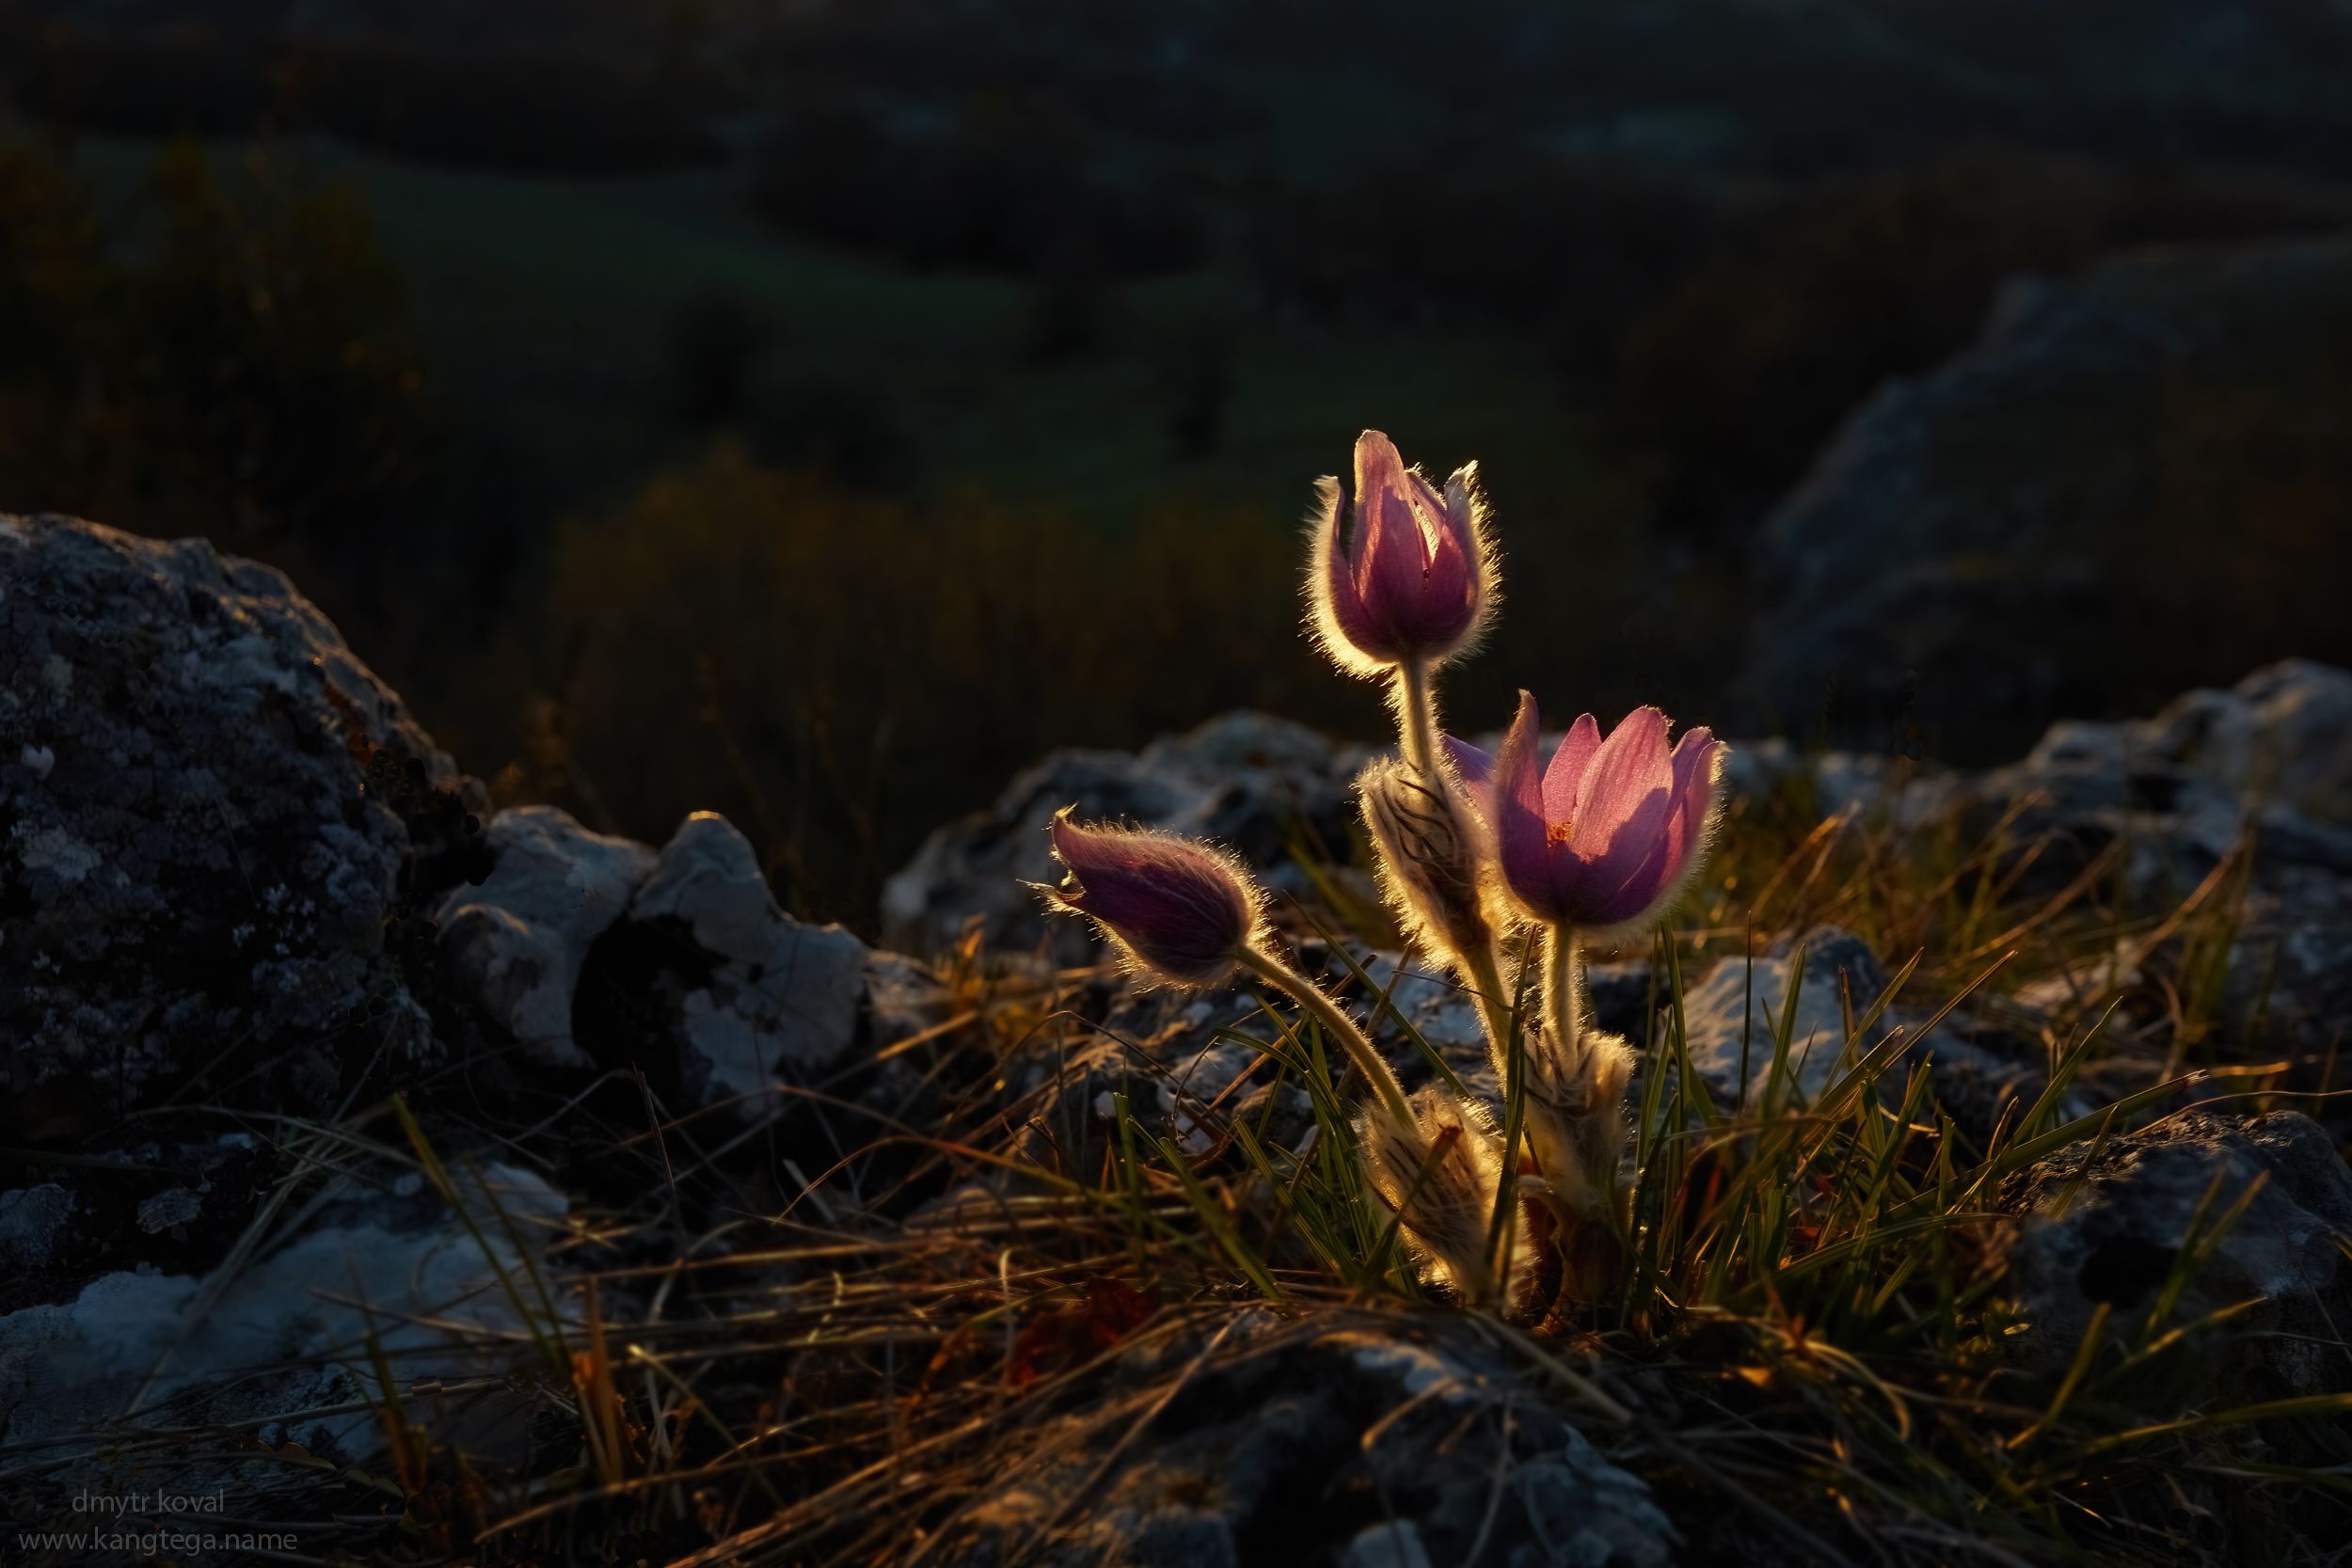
(1609, 833)
(1400, 574)
(1175, 908)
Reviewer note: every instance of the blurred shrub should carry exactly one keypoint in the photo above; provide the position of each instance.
(235, 360)
(1067, 305)
(1740, 375)
(1193, 367)
(526, 108)
(55, 293)
(842, 672)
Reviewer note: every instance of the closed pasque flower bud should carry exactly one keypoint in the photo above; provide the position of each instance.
(1429, 858)
(1401, 573)
(1176, 910)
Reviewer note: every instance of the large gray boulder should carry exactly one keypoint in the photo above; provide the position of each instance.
(212, 818)
(1962, 549)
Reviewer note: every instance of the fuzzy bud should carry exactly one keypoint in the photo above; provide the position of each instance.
(1176, 910)
(1440, 1177)
(1427, 842)
(1576, 1116)
(1399, 571)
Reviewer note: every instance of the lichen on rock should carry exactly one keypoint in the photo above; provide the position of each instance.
(211, 814)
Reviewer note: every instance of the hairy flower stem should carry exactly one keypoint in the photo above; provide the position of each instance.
(1417, 719)
(1494, 1003)
(1416, 727)
(1563, 1006)
(1337, 1024)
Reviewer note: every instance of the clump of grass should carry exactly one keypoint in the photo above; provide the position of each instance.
(1806, 1339)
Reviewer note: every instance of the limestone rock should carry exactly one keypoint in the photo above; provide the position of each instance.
(515, 944)
(2110, 1229)
(211, 818)
(2264, 766)
(773, 997)
(274, 1337)
(594, 951)
(1731, 1018)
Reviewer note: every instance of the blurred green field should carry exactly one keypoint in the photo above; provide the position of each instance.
(548, 308)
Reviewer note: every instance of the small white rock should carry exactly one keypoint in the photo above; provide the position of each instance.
(40, 759)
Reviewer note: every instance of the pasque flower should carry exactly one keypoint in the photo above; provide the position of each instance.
(1174, 909)
(1402, 574)
(1597, 844)
(1609, 833)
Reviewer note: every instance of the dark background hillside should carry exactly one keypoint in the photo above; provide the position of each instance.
(817, 410)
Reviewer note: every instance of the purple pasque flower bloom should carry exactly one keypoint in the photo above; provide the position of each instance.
(1400, 573)
(1175, 909)
(1610, 833)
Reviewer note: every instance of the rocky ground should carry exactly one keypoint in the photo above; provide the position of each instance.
(455, 1185)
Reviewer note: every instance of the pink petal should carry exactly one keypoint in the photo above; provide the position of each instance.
(1693, 790)
(1476, 764)
(1568, 767)
(1630, 769)
(1520, 830)
(1450, 588)
(1392, 551)
(1460, 511)
(1429, 513)
(1347, 604)
(1620, 835)
(1476, 770)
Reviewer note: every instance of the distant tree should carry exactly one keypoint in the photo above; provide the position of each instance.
(237, 363)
